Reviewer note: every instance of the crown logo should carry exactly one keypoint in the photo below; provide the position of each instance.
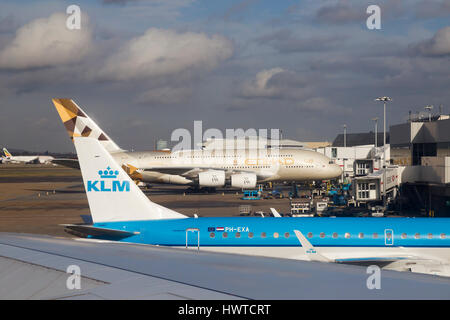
(108, 173)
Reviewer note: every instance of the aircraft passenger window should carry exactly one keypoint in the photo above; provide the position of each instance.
(224, 235)
(276, 235)
(375, 235)
(238, 234)
(347, 235)
(335, 235)
(250, 235)
(361, 235)
(263, 234)
(212, 235)
(442, 235)
(310, 235)
(417, 236)
(322, 235)
(404, 235)
(286, 235)
(430, 236)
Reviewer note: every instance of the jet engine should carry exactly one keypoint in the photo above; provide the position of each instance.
(243, 180)
(211, 178)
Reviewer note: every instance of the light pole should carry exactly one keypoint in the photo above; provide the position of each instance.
(384, 99)
(345, 135)
(345, 146)
(376, 133)
(429, 107)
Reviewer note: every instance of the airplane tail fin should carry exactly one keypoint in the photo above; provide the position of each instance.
(275, 213)
(311, 252)
(111, 193)
(7, 153)
(79, 124)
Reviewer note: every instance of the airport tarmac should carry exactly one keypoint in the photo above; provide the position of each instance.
(38, 198)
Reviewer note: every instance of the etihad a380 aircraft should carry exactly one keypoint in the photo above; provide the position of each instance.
(25, 159)
(122, 212)
(202, 168)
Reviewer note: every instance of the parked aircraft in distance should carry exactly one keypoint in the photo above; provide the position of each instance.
(8, 157)
(202, 168)
(121, 211)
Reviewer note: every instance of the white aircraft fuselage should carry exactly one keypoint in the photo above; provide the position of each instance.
(263, 165)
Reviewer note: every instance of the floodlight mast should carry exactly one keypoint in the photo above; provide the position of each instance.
(345, 135)
(384, 99)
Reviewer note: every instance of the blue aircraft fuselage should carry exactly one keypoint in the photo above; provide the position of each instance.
(279, 232)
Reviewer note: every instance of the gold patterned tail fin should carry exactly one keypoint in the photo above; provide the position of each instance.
(78, 124)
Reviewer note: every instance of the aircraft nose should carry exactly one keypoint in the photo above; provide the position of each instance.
(335, 170)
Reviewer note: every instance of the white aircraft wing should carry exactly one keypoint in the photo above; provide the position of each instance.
(36, 267)
(399, 259)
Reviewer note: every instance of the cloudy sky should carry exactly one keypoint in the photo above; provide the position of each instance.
(143, 68)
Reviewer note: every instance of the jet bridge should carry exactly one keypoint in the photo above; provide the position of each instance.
(369, 188)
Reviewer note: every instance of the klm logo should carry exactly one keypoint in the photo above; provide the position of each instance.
(108, 184)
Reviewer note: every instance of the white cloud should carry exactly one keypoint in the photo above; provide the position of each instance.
(439, 45)
(167, 53)
(276, 83)
(259, 87)
(47, 42)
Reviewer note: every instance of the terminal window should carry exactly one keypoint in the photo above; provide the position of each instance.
(420, 150)
(334, 152)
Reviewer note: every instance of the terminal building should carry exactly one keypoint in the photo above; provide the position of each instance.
(418, 168)
(347, 157)
(416, 139)
(359, 156)
(422, 146)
